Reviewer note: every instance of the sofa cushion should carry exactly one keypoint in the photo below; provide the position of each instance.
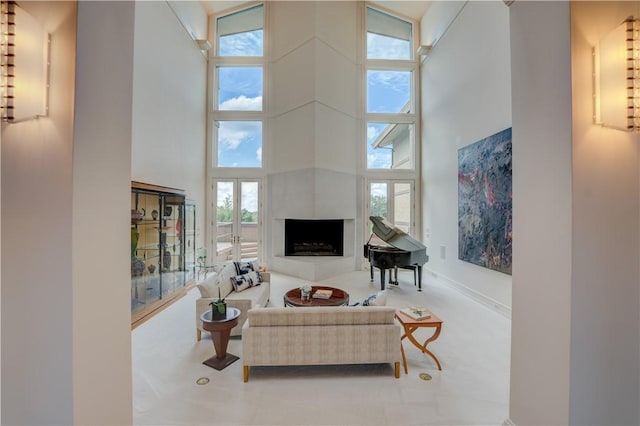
(209, 286)
(378, 299)
(244, 281)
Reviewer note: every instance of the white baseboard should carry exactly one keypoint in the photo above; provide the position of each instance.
(508, 422)
(478, 297)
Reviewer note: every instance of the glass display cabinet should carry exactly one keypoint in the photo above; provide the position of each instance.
(161, 247)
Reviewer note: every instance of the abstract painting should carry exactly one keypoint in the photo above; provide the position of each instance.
(484, 202)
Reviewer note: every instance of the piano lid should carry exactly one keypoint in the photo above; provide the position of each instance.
(394, 236)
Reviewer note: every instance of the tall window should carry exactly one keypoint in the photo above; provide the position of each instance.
(238, 80)
(391, 92)
(391, 114)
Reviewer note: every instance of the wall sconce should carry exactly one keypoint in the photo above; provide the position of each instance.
(24, 67)
(617, 77)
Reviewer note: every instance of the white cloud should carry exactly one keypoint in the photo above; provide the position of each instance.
(233, 133)
(259, 154)
(242, 44)
(242, 103)
(225, 189)
(381, 47)
(372, 133)
(250, 196)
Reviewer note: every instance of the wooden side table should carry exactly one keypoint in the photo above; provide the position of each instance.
(410, 325)
(220, 331)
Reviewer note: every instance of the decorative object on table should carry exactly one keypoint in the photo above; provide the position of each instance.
(218, 308)
(154, 214)
(484, 202)
(305, 292)
(151, 268)
(322, 293)
(416, 312)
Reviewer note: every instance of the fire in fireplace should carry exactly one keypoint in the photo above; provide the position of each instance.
(313, 237)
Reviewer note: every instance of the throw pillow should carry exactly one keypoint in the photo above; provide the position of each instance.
(245, 267)
(209, 286)
(224, 279)
(378, 299)
(245, 281)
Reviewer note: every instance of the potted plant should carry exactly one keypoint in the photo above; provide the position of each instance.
(218, 308)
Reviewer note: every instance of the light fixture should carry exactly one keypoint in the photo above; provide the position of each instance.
(617, 77)
(424, 49)
(7, 64)
(24, 67)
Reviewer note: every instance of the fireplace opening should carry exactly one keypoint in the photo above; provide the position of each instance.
(313, 237)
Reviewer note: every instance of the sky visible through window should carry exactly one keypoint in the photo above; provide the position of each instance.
(241, 89)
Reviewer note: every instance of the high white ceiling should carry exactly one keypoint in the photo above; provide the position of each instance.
(412, 9)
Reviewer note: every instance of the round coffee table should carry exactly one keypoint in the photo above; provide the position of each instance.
(338, 297)
(220, 331)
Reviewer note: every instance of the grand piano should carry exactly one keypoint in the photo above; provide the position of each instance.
(402, 251)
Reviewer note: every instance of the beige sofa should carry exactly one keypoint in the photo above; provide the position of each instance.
(244, 300)
(321, 336)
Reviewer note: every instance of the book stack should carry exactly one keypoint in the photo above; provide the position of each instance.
(416, 312)
(322, 294)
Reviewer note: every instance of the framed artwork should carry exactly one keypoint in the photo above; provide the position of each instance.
(485, 202)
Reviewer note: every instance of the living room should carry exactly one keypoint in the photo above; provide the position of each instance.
(575, 256)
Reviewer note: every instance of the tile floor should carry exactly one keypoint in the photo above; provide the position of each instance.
(472, 388)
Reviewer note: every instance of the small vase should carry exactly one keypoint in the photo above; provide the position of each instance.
(305, 295)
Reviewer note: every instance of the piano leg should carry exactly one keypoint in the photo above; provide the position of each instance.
(419, 277)
(382, 270)
(393, 279)
(371, 270)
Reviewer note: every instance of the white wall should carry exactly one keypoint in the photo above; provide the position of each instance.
(37, 344)
(542, 212)
(605, 280)
(466, 96)
(101, 203)
(169, 105)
